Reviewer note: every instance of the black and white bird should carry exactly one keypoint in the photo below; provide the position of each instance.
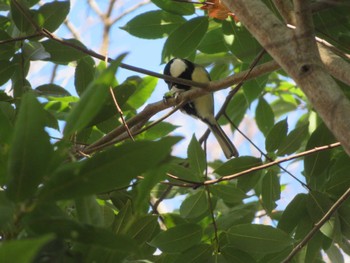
(202, 107)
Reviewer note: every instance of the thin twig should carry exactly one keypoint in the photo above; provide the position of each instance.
(318, 225)
(121, 114)
(211, 210)
(194, 184)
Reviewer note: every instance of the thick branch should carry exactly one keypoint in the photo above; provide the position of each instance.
(306, 69)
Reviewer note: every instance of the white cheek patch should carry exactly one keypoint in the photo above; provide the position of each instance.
(177, 68)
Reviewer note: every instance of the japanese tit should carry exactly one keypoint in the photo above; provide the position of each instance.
(202, 107)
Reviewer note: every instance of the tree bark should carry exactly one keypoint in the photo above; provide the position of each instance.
(297, 53)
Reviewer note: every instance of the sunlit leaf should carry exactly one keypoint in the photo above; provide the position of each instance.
(153, 24)
(185, 39)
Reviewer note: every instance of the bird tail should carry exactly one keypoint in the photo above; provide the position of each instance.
(226, 145)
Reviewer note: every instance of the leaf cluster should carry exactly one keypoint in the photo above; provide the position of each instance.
(57, 203)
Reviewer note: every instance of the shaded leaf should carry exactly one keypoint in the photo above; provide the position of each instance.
(114, 168)
(27, 163)
(276, 136)
(196, 254)
(258, 238)
(194, 205)
(339, 179)
(232, 254)
(264, 116)
(178, 238)
(7, 68)
(23, 251)
(63, 54)
(196, 157)
(84, 74)
(293, 213)
(317, 164)
(271, 190)
(228, 193)
(52, 90)
(293, 141)
(7, 49)
(92, 100)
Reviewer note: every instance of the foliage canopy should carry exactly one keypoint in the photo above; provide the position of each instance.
(93, 195)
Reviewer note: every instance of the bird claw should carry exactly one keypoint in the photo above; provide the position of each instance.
(170, 94)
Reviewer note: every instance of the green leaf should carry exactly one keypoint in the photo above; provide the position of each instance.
(258, 238)
(33, 50)
(339, 180)
(213, 42)
(23, 251)
(123, 219)
(317, 164)
(54, 14)
(122, 93)
(143, 229)
(238, 214)
(7, 68)
(237, 165)
(7, 49)
(237, 108)
(276, 136)
(232, 254)
(114, 168)
(175, 7)
(20, 13)
(241, 43)
(294, 140)
(62, 54)
(293, 213)
(228, 193)
(92, 100)
(153, 24)
(31, 150)
(196, 157)
(7, 114)
(52, 90)
(317, 205)
(158, 131)
(240, 164)
(86, 234)
(7, 213)
(145, 186)
(185, 39)
(335, 254)
(84, 74)
(143, 92)
(178, 238)
(271, 190)
(264, 116)
(185, 173)
(89, 211)
(196, 254)
(194, 206)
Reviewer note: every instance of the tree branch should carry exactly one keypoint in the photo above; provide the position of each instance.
(307, 70)
(318, 225)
